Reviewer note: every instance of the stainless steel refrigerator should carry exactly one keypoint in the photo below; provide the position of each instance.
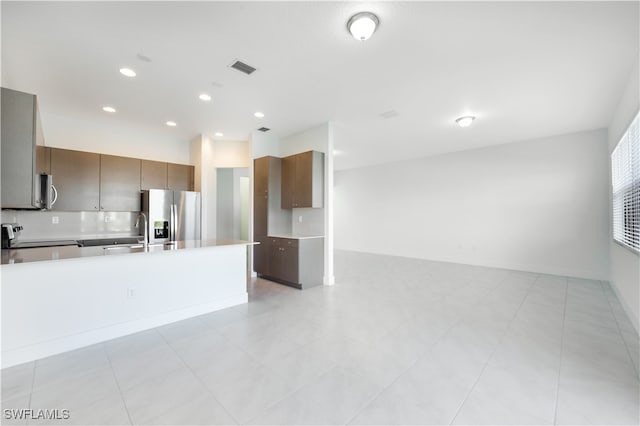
(171, 215)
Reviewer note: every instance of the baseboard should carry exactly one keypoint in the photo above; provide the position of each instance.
(538, 269)
(625, 306)
(90, 337)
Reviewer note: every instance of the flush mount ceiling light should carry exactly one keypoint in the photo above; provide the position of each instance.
(465, 121)
(128, 72)
(258, 114)
(218, 134)
(362, 25)
(171, 123)
(108, 109)
(205, 97)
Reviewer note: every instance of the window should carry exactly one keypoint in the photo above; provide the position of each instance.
(625, 180)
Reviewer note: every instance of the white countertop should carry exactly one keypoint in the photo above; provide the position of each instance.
(294, 237)
(39, 254)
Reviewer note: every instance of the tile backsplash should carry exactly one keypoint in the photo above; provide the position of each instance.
(40, 225)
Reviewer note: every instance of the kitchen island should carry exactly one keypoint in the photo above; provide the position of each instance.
(55, 299)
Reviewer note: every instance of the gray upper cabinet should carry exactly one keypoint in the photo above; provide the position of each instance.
(154, 175)
(76, 175)
(43, 160)
(119, 183)
(303, 180)
(180, 177)
(21, 132)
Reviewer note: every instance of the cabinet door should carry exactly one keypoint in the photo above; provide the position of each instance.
(288, 182)
(43, 160)
(274, 258)
(260, 256)
(261, 176)
(18, 141)
(180, 177)
(76, 176)
(260, 215)
(289, 265)
(119, 184)
(304, 180)
(154, 175)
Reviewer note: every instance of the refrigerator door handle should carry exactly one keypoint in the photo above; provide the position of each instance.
(174, 225)
(172, 229)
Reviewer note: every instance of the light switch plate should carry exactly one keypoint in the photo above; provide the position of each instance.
(55, 220)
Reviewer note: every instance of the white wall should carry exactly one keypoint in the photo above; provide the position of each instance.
(625, 265)
(114, 138)
(537, 205)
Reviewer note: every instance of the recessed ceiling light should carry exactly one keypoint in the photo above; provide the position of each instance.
(128, 72)
(362, 25)
(218, 134)
(108, 109)
(259, 114)
(171, 123)
(205, 97)
(465, 121)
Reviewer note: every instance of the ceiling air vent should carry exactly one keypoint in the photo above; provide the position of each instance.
(242, 67)
(264, 129)
(389, 114)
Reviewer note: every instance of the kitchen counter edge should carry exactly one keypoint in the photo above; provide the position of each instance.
(44, 254)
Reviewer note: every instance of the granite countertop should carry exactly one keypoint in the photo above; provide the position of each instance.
(39, 254)
(294, 237)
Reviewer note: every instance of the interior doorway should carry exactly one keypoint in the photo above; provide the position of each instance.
(232, 203)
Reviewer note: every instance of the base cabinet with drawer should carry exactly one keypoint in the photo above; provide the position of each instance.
(298, 262)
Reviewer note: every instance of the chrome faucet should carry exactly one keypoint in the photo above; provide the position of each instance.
(146, 226)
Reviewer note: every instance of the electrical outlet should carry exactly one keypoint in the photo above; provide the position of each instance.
(107, 219)
(55, 220)
(131, 293)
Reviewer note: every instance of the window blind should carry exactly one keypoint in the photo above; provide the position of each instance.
(625, 181)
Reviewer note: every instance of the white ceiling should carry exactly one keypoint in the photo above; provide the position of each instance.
(526, 70)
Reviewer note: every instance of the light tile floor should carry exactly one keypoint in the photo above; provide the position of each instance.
(395, 341)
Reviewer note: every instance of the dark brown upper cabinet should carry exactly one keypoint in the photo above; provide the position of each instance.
(303, 180)
(180, 177)
(76, 176)
(89, 181)
(119, 183)
(154, 175)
